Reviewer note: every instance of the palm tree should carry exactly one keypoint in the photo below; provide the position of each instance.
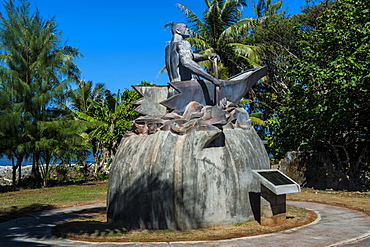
(273, 34)
(222, 31)
(108, 122)
(79, 97)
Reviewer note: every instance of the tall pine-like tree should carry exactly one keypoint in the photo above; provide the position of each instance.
(35, 70)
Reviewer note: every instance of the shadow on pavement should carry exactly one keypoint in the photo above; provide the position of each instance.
(34, 228)
(16, 212)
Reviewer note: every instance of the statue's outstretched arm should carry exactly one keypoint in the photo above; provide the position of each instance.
(200, 57)
(187, 60)
(196, 69)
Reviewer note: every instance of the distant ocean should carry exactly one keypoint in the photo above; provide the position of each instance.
(8, 162)
(27, 162)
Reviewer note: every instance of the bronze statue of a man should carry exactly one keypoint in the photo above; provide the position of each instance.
(181, 62)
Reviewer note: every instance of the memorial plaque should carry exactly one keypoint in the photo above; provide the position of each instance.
(276, 181)
(276, 178)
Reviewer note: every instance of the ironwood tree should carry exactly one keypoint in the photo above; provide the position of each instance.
(35, 71)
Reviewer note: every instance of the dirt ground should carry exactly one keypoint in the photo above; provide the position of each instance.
(95, 228)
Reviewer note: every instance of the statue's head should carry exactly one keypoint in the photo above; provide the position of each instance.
(181, 29)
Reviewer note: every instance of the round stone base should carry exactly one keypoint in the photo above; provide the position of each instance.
(169, 181)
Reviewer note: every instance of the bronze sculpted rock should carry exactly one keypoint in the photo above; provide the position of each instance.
(188, 161)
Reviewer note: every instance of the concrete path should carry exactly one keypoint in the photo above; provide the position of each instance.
(335, 226)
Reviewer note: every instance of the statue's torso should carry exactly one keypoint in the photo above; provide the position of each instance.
(178, 53)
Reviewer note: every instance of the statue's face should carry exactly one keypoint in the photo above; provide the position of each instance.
(182, 29)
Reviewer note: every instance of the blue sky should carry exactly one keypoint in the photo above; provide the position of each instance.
(123, 41)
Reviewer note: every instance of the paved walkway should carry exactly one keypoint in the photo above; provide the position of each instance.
(335, 226)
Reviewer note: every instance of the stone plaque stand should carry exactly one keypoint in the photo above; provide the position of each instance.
(273, 208)
(274, 187)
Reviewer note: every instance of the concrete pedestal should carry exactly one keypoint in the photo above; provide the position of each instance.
(200, 179)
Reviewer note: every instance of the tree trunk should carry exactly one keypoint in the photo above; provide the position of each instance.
(19, 166)
(20, 174)
(35, 172)
(14, 173)
(45, 176)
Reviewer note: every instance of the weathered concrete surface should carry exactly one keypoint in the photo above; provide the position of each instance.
(168, 181)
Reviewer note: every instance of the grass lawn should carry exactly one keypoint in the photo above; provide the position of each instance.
(18, 203)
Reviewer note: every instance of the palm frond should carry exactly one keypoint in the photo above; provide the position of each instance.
(196, 23)
(244, 102)
(231, 11)
(169, 25)
(198, 44)
(163, 69)
(248, 52)
(208, 3)
(84, 116)
(235, 30)
(257, 121)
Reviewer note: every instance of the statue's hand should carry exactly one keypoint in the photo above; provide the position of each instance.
(216, 82)
(213, 56)
(219, 83)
